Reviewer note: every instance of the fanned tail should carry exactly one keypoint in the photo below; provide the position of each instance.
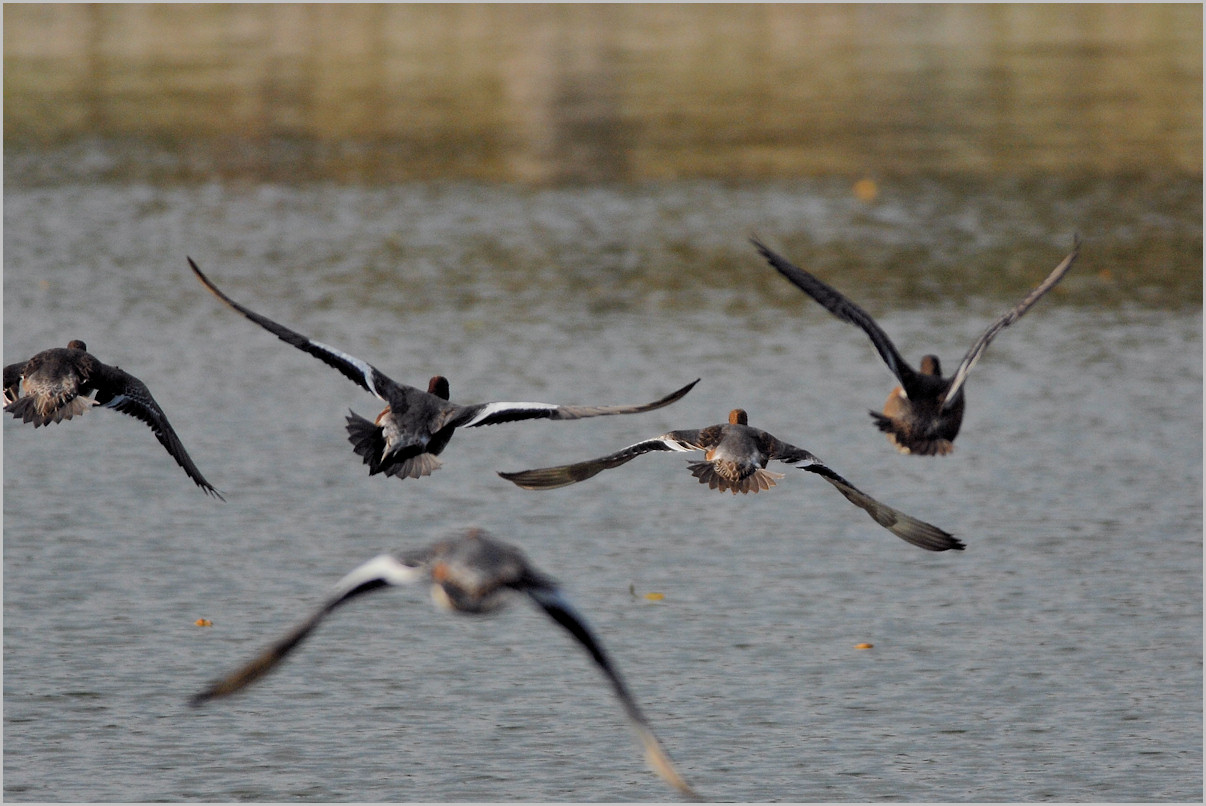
(27, 410)
(760, 479)
(368, 441)
(909, 444)
(423, 464)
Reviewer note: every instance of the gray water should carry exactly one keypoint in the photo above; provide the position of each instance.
(1058, 658)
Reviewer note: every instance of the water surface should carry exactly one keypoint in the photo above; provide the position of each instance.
(1057, 658)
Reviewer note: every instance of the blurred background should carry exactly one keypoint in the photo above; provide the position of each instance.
(614, 93)
(1087, 113)
(553, 202)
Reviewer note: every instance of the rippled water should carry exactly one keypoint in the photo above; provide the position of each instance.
(1058, 658)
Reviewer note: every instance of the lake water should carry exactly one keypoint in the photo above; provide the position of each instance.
(1058, 658)
(554, 203)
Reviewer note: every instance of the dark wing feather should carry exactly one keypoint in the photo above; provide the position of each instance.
(833, 301)
(119, 390)
(548, 478)
(505, 412)
(558, 608)
(376, 573)
(906, 527)
(1011, 316)
(362, 373)
(12, 380)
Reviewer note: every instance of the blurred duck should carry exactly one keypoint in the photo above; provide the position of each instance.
(736, 455)
(415, 426)
(55, 385)
(923, 414)
(475, 574)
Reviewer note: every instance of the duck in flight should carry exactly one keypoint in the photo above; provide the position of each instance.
(415, 426)
(470, 573)
(923, 414)
(735, 456)
(56, 385)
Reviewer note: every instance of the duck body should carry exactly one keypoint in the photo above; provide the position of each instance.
(919, 420)
(63, 382)
(736, 455)
(55, 384)
(406, 438)
(923, 414)
(470, 573)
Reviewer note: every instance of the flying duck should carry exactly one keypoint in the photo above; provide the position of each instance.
(415, 426)
(736, 455)
(923, 414)
(55, 385)
(470, 573)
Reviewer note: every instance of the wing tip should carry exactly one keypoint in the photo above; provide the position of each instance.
(532, 480)
(212, 490)
(200, 698)
(932, 538)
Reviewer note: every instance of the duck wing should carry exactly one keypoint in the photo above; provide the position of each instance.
(549, 598)
(506, 412)
(12, 381)
(378, 572)
(1010, 316)
(119, 390)
(549, 478)
(906, 527)
(360, 372)
(833, 301)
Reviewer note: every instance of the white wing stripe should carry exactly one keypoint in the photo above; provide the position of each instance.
(385, 567)
(491, 409)
(117, 400)
(365, 368)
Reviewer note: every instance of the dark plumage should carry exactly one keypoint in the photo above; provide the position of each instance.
(55, 385)
(736, 455)
(923, 414)
(415, 426)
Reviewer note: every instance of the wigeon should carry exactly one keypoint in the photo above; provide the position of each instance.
(736, 455)
(475, 574)
(415, 426)
(55, 385)
(923, 414)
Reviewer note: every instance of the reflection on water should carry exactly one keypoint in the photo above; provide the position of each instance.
(622, 92)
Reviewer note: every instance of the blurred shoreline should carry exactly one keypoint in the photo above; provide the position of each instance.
(556, 94)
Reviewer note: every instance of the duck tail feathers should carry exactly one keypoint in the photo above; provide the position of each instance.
(760, 479)
(27, 410)
(368, 441)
